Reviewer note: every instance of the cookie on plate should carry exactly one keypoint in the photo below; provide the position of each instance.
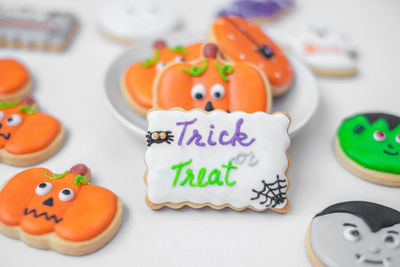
(27, 136)
(368, 145)
(137, 81)
(243, 42)
(210, 83)
(15, 80)
(62, 212)
(194, 159)
(355, 233)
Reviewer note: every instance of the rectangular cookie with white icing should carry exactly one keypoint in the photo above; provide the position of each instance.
(217, 159)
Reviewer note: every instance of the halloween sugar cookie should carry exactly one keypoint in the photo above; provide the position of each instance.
(241, 41)
(193, 159)
(137, 82)
(369, 146)
(355, 233)
(27, 136)
(15, 80)
(210, 83)
(62, 212)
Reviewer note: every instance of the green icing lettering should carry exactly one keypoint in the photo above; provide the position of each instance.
(151, 61)
(356, 138)
(224, 70)
(196, 70)
(212, 179)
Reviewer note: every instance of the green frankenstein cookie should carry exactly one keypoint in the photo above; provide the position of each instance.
(371, 140)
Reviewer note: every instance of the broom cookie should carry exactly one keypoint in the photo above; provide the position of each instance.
(368, 145)
(27, 136)
(62, 212)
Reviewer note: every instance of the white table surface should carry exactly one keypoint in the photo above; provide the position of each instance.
(71, 87)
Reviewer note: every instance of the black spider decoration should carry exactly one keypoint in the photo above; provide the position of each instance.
(274, 193)
(158, 137)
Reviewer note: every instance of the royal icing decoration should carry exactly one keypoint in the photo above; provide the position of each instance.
(25, 131)
(241, 41)
(59, 211)
(193, 158)
(38, 30)
(355, 233)
(210, 83)
(139, 77)
(372, 140)
(13, 77)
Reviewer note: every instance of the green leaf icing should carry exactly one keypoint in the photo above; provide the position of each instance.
(27, 109)
(179, 49)
(56, 175)
(356, 138)
(9, 104)
(151, 61)
(80, 180)
(224, 70)
(196, 70)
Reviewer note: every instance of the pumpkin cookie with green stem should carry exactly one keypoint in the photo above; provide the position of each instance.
(62, 212)
(369, 146)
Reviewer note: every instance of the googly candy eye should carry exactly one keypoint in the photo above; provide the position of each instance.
(66, 194)
(351, 234)
(198, 91)
(392, 241)
(1, 115)
(43, 188)
(217, 91)
(179, 59)
(155, 136)
(14, 120)
(160, 66)
(398, 138)
(379, 136)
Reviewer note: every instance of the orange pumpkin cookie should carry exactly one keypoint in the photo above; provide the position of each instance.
(137, 82)
(62, 212)
(210, 84)
(241, 41)
(27, 137)
(15, 80)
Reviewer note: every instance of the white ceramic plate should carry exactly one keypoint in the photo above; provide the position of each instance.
(300, 102)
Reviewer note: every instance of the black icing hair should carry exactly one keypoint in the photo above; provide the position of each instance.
(391, 120)
(374, 215)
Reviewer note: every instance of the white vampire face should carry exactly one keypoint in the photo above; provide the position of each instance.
(343, 239)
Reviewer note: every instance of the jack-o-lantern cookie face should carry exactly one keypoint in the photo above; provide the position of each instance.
(15, 81)
(212, 84)
(27, 136)
(137, 83)
(59, 211)
(241, 41)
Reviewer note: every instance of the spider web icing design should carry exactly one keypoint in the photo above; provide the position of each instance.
(272, 194)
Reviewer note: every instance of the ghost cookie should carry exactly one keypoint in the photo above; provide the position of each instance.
(368, 145)
(355, 233)
(27, 136)
(195, 159)
(240, 41)
(62, 212)
(210, 83)
(125, 21)
(137, 82)
(15, 80)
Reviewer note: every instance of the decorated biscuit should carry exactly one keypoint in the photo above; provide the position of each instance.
(15, 80)
(369, 146)
(241, 41)
(210, 83)
(62, 212)
(217, 159)
(137, 82)
(355, 233)
(27, 136)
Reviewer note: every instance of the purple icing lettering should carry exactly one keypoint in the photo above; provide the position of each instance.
(209, 139)
(197, 137)
(185, 124)
(239, 136)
